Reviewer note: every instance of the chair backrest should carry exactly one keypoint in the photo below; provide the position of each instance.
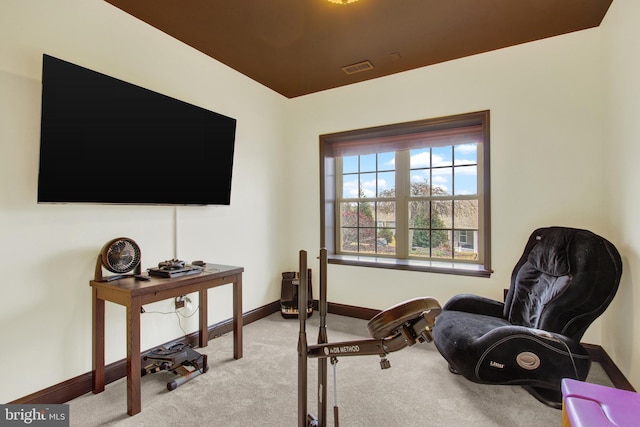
(564, 280)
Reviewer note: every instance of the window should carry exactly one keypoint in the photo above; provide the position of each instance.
(409, 196)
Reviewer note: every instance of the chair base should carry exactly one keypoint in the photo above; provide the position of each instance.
(551, 398)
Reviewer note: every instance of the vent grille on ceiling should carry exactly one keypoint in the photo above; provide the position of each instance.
(358, 68)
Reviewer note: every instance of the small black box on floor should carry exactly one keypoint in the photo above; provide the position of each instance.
(289, 294)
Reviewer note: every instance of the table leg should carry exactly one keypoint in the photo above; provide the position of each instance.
(134, 397)
(204, 326)
(98, 343)
(237, 317)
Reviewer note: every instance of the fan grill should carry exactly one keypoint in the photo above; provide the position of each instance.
(121, 255)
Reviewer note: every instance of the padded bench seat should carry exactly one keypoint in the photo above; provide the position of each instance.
(593, 405)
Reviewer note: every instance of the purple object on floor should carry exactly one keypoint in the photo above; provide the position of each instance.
(593, 405)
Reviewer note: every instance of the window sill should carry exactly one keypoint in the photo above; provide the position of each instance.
(443, 267)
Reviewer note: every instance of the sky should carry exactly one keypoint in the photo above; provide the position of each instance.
(442, 165)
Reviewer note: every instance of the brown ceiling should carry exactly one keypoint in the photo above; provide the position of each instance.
(297, 47)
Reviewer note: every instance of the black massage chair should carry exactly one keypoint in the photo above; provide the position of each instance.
(564, 280)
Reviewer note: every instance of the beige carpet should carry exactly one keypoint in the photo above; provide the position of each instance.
(261, 388)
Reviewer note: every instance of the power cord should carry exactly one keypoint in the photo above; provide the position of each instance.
(575, 369)
(552, 337)
(178, 314)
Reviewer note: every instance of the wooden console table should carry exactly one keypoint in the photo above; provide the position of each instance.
(133, 294)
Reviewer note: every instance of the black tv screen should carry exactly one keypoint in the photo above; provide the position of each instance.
(104, 140)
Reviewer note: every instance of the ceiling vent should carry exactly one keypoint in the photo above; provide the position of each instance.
(358, 68)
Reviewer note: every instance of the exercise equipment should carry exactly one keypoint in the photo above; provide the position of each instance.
(180, 359)
(391, 330)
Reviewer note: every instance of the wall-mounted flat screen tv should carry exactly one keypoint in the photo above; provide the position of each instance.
(107, 141)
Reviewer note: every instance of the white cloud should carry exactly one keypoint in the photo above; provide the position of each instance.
(467, 148)
(440, 181)
(420, 176)
(350, 189)
(472, 171)
(369, 187)
(420, 160)
(438, 161)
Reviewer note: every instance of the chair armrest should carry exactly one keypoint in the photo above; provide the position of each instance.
(475, 304)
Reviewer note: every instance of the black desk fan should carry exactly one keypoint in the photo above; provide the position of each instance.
(121, 256)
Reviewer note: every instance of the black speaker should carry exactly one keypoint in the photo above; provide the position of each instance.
(289, 294)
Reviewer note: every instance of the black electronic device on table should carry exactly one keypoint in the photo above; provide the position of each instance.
(180, 359)
(174, 268)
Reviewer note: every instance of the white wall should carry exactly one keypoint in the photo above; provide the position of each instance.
(49, 251)
(546, 169)
(564, 144)
(548, 163)
(621, 324)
